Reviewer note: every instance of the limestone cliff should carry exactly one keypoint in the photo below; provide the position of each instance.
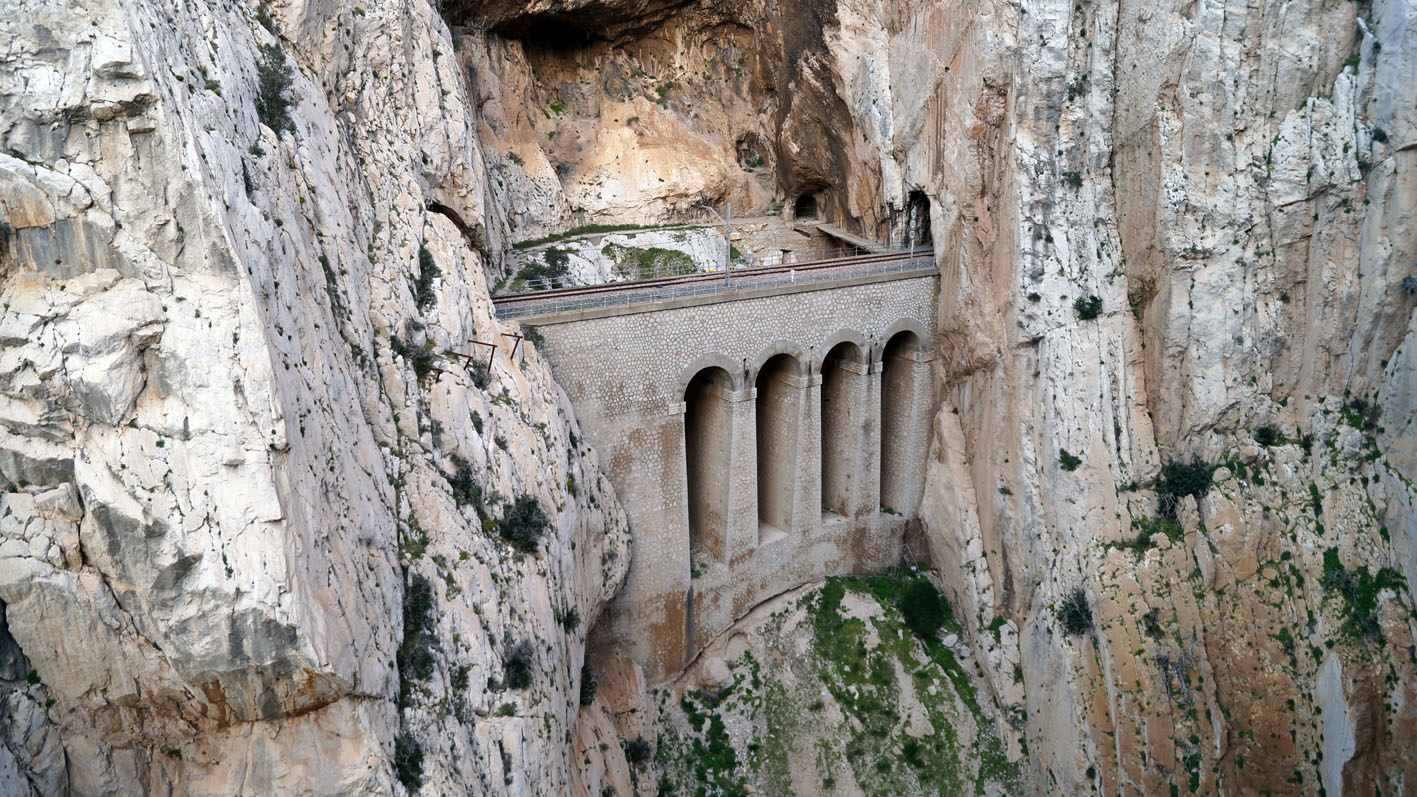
(259, 518)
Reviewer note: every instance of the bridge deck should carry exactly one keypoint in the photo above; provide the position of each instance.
(572, 304)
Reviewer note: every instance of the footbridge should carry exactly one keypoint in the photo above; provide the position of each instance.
(763, 428)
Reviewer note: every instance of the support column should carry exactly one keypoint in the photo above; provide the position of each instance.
(743, 477)
(808, 514)
(918, 430)
(869, 495)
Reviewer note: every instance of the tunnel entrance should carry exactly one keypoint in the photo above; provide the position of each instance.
(708, 432)
(805, 208)
(897, 408)
(917, 220)
(843, 387)
(777, 410)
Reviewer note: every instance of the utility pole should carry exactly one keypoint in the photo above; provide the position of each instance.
(727, 240)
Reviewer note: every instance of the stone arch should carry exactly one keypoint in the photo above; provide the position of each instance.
(708, 448)
(845, 372)
(904, 403)
(733, 367)
(780, 384)
(922, 337)
(794, 350)
(838, 337)
(806, 207)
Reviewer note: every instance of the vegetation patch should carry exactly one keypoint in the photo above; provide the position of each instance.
(408, 761)
(1075, 614)
(1358, 591)
(415, 654)
(1087, 307)
(524, 524)
(428, 271)
(633, 262)
(1067, 460)
(591, 229)
(273, 79)
(516, 666)
(1180, 479)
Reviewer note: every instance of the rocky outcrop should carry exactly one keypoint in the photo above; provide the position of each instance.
(253, 538)
(258, 516)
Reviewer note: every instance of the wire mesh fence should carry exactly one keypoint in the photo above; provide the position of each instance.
(523, 305)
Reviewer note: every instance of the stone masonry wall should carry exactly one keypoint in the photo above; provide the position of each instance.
(626, 376)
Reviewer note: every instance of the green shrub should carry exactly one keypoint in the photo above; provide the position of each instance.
(408, 761)
(1179, 479)
(415, 653)
(1087, 307)
(1268, 436)
(588, 685)
(1075, 614)
(1072, 180)
(638, 751)
(524, 524)
(465, 489)
(423, 293)
(420, 358)
(922, 608)
(1067, 460)
(516, 666)
(273, 79)
(1358, 589)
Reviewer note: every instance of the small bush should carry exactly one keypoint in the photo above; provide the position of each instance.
(923, 608)
(533, 335)
(569, 619)
(428, 271)
(1409, 285)
(1268, 436)
(1379, 135)
(466, 491)
(415, 653)
(420, 358)
(588, 685)
(1075, 614)
(408, 761)
(638, 751)
(524, 524)
(516, 666)
(1180, 479)
(1067, 460)
(273, 79)
(1087, 307)
(1072, 180)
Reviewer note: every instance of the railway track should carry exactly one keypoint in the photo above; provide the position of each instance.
(624, 292)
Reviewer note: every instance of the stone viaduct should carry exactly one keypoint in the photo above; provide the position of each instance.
(759, 438)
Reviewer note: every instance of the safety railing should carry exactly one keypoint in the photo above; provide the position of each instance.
(637, 292)
(667, 270)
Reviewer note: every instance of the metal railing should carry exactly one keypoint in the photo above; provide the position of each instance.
(651, 293)
(667, 270)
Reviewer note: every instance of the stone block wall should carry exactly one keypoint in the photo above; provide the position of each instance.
(627, 376)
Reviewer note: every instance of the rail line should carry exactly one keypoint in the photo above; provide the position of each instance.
(615, 293)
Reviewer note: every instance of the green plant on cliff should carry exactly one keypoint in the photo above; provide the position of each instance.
(1067, 460)
(273, 79)
(635, 262)
(1179, 479)
(1359, 590)
(408, 761)
(1087, 307)
(923, 608)
(1075, 614)
(428, 271)
(524, 524)
(415, 653)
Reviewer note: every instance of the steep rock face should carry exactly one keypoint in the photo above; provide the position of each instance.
(251, 530)
(235, 527)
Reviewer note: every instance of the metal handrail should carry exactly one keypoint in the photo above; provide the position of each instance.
(651, 293)
(537, 284)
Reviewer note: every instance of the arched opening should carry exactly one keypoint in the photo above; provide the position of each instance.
(805, 208)
(708, 434)
(778, 405)
(843, 394)
(898, 460)
(917, 220)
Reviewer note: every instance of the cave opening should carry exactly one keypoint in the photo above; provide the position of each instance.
(917, 220)
(546, 33)
(805, 207)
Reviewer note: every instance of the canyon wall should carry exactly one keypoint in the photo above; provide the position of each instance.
(285, 523)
